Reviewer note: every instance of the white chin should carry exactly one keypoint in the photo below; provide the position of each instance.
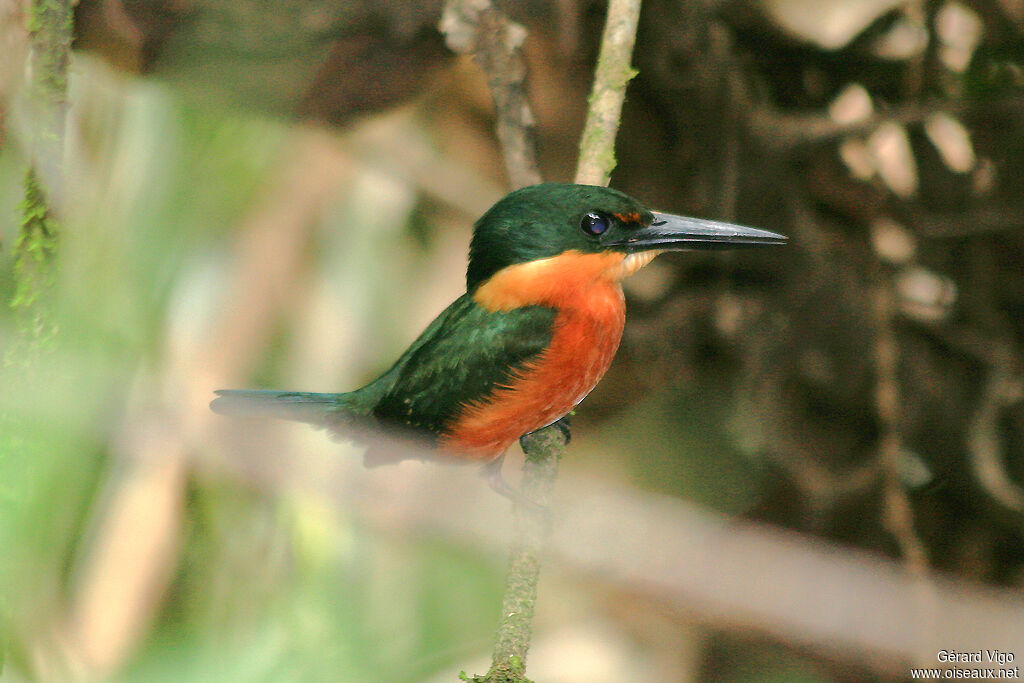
(634, 262)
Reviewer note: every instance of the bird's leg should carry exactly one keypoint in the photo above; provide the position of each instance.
(563, 423)
(492, 471)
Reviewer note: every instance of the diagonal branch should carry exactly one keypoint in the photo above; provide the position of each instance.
(477, 27)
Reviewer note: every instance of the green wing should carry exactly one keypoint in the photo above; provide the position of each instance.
(461, 357)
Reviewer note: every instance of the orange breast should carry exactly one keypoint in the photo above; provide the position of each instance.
(585, 290)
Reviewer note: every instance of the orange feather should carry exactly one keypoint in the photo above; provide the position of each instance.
(584, 289)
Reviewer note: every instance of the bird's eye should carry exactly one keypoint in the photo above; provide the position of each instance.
(595, 223)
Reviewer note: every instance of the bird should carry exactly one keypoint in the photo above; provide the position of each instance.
(535, 331)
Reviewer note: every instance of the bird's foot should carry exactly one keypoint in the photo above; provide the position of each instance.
(562, 424)
(492, 471)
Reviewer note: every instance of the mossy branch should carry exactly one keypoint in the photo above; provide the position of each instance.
(33, 273)
(543, 449)
(613, 73)
(49, 25)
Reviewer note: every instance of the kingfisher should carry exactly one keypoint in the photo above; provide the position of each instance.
(536, 329)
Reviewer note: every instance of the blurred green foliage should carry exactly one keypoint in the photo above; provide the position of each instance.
(267, 587)
(283, 590)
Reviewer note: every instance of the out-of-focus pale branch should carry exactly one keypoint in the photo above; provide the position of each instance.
(849, 605)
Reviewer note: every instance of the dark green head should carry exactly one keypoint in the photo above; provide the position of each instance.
(542, 221)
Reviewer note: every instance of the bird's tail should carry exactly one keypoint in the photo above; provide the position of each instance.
(319, 410)
(346, 417)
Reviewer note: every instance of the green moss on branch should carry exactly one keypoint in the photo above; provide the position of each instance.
(33, 270)
(612, 75)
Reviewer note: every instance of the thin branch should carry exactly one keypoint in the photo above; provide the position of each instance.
(613, 73)
(49, 26)
(49, 31)
(898, 514)
(543, 449)
(784, 132)
(476, 27)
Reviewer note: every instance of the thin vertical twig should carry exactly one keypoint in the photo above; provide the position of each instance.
(476, 27)
(897, 513)
(49, 25)
(543, 449)
(613, 73)
(49, 28)
(897, 510)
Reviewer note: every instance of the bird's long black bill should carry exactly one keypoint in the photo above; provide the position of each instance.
(678, 233)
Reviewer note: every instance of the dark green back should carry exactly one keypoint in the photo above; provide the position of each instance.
(460, 358)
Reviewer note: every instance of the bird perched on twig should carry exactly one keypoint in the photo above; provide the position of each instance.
(536, 330)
